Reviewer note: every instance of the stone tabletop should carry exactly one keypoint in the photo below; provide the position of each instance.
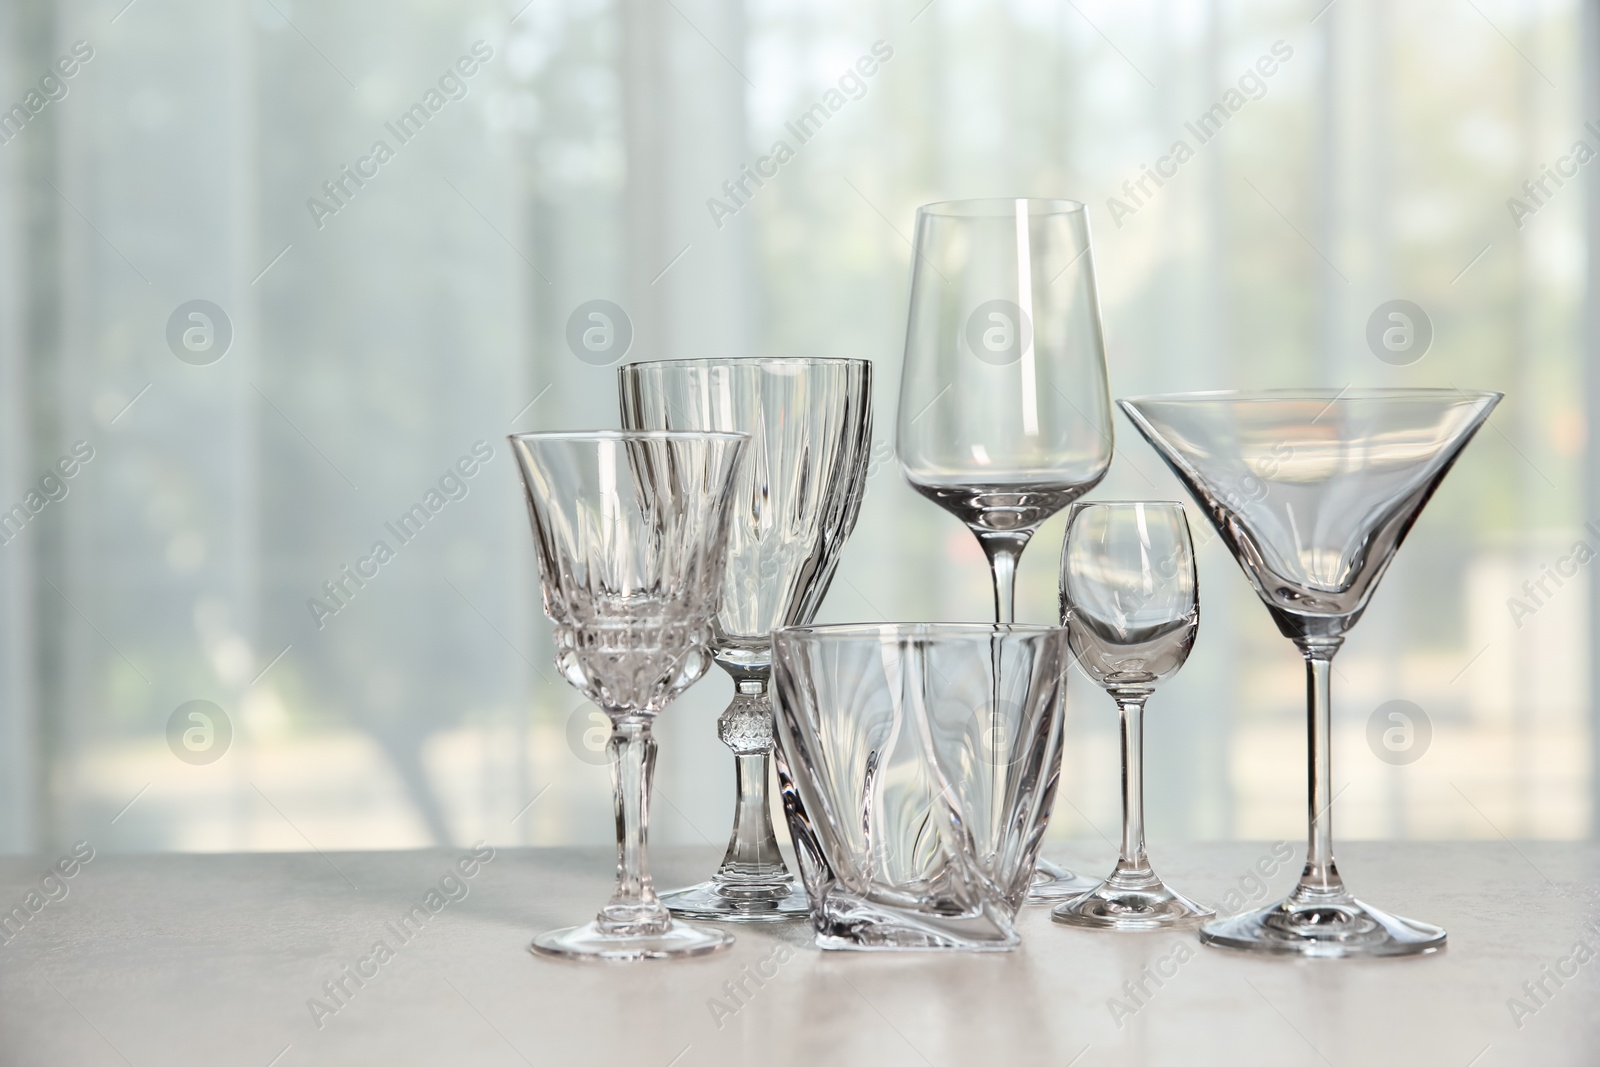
(254, 960)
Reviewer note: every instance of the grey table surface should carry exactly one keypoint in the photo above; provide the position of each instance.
(214, 959)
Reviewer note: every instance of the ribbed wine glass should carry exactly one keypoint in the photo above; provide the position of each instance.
(810, 425)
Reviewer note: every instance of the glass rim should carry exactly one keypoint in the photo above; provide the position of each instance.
(934, 630)
(1079, 505)
(991, 207)
(1314, 393)
(750, 361)
(627, 435)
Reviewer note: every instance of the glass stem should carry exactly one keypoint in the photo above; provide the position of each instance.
(1004, 550)
(746, 728)
(1320, 880)
(1131, 705)
(633, 907)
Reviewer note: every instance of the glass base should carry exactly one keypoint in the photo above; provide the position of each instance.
(850, 922)
(1132, 901)
(724, 902)
(1342, 927)
(1053, 884)
(591, 943)
(899, 941)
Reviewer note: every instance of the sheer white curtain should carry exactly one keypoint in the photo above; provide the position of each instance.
(382, 327)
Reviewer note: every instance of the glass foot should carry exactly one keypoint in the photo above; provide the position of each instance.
(723, 902)
(591, 943)
(1053, 884)
(1128, 901)
(1333, 928)
(854, 923)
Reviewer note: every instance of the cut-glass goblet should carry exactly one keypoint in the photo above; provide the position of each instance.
(631, 533)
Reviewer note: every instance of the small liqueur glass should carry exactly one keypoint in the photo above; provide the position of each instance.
(1130, 603)
(631, 531)
(918, 763)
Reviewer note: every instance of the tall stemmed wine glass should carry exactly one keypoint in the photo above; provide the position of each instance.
(631, 532)
(1312, 491)
(1005, 415)
(796, 501)
(1130, 601)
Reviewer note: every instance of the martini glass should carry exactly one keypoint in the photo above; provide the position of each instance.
(795, 503)
(1312, 491)
(1005, 414)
